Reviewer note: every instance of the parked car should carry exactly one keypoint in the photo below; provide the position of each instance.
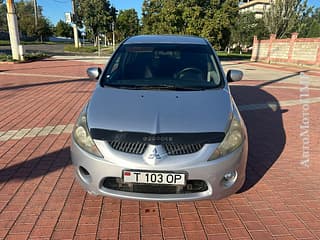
(161, 124)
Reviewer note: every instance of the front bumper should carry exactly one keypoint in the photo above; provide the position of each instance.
(91, 172)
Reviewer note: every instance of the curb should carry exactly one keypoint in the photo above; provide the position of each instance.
(307, 71)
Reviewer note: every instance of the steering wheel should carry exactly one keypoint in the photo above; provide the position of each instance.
(189, 70)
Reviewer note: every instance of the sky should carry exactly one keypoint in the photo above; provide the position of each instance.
(55, 9)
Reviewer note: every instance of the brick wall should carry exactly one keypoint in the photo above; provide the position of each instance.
(293, 50)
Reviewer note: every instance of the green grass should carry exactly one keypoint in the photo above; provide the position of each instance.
(7, 43)
(85, 49)
(88, 49)
(4, 42)
(27, 57)
(107, 50)
(233, 56)
(5, 58)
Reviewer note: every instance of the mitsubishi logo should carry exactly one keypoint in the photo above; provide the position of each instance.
(155, 154)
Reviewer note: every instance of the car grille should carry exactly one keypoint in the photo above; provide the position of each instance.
(192, 186)
(171, 149)
(180, 149)
(128, 147)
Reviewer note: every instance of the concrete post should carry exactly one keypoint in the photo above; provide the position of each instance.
(294, 36)
(272, 39)
(76, 36)
(75, 29)
(13, 30)
(318, 57)
(255, 46)
(21, 52)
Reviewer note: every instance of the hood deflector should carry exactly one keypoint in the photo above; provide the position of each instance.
(157, 139)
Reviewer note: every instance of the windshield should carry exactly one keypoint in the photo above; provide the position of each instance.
(163, 66)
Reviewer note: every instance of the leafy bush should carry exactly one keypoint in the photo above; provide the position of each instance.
(34, 56)
(27, 57)
(85, 49)
(5, 58)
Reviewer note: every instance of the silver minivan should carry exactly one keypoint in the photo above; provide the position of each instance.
(161, 124)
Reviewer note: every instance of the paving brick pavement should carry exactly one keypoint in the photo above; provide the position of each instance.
(39, 198)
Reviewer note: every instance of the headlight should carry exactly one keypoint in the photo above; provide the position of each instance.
(231, 141)
(82, 136)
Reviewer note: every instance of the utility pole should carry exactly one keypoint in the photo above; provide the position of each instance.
(75, 29)
(35, 14)
(113, 26)
(99, 46)
(35, 7)
(113, 37)
(13, 30)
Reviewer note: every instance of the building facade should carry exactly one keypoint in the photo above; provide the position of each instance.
(256, 6)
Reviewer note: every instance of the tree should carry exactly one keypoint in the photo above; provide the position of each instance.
(3, 17)
(151, 10)
(192, 17)
(314, 30)
(219, 20)
(44, 29)
(63, 29)
(171, 21)
(96, 15)
(25, 14)
(309, 26)
(173, 17)
(246, 27)
(128, 23)
(284, 16)
(212, 19)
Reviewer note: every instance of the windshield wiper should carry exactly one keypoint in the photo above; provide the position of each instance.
(158, 87)
(173, 87)
(123, 86)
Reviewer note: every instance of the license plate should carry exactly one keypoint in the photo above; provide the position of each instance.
(154, 177)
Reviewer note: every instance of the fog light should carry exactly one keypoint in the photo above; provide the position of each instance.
(84, 174)
(229, 178)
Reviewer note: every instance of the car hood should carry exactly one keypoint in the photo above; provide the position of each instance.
(159, 111)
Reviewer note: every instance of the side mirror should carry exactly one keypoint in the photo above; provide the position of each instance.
(234, 75)
(94, 72)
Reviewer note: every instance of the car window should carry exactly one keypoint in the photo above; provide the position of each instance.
(163, 66)
(116, 64)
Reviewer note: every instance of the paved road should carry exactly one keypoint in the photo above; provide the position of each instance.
(39, 198)
(54, 49)
(50, 49)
